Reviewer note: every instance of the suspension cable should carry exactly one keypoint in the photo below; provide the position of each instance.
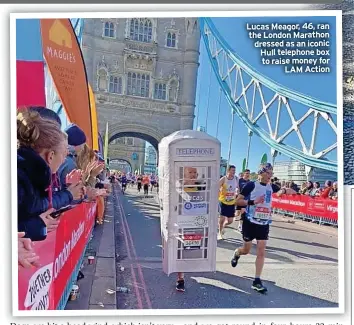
(198, 104)
(219, 106)
(250, 133)
(207, 114)
(230, 137)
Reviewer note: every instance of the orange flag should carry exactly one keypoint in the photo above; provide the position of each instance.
(66, 65)
(93, 119)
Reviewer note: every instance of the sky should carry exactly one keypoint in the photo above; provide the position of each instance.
(319, 86)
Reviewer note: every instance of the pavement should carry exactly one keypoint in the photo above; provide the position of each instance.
(101, 275)
(301, 268)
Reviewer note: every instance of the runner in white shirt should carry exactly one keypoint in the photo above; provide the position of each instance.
(129, 178)
(257, 219)
(152, 181)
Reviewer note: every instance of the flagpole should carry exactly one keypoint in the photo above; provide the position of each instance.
(106, 145)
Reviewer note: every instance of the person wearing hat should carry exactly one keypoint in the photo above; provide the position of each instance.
(76, 142)
(258, 217)
(47, 113)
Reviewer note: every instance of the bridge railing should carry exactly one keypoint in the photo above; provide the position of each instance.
(314, 209)
(276, 114)
(61, 256)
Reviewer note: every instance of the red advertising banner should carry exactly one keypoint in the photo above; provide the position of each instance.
(316, 207)
(42, 288)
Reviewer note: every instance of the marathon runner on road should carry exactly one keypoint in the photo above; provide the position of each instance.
(152, 181)
(146, 182)
(239, 209)
(139, 181)
(124, 182)
(133, 180)
(257, 218)
(129, 179)
(228, 186)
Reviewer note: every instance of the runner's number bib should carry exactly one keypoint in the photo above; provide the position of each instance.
(262, 213)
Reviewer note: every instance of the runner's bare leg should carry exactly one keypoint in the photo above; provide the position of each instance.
(261, 246)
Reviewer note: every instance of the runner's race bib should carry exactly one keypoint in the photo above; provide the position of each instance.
(229, 197)
(262, 213)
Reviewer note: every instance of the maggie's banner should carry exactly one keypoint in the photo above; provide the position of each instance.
(66, 65)
(42, 288)
(316, 207)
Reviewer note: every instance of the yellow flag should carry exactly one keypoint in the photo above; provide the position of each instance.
(106, 144)
(93, 119)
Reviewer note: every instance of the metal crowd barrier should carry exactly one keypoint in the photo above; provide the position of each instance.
(306, 217)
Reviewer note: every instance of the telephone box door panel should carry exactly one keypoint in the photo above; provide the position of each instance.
(195, 193)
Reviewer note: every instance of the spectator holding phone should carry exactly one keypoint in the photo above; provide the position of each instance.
(333, 194)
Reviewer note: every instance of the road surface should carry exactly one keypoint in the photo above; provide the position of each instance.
(301, 268)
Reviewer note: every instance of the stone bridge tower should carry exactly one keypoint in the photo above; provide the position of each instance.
(143, 72)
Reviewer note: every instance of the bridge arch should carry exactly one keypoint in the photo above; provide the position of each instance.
(128, 161)
(143, 132)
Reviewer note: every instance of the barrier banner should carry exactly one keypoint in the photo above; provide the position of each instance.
(34, 284)
(41, 288)
(316, 207)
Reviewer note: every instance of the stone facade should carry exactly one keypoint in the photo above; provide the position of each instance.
(132, 150)
(144, 75)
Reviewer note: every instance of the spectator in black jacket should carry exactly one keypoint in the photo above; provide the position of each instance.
(42, 148)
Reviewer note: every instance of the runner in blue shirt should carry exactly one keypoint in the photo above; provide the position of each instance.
(124, 181)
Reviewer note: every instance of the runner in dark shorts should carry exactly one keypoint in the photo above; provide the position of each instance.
(240, 211)
(139, 180)
(228, 186)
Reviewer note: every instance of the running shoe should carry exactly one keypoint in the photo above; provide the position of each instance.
(220, 237)
(239, 228)
(259, 287)
(180, 285)
(235, 259)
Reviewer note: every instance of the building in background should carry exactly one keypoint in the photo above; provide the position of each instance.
(129, 149)
(281, 171)
(150, 160)
(143, 72)
(150, 155)
(296, 171)
(223, 166)
(120, 165)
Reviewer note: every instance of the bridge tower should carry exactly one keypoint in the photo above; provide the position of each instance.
(143, 72)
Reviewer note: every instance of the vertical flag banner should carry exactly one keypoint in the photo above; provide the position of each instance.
(243, 165)
(264, 159)
(106, 144)
(66, 65)
(30, 80)
(93, 119)
(100, 144)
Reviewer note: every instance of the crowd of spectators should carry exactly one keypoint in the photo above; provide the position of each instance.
(56, 170)
(329, 190)
(313, 189)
